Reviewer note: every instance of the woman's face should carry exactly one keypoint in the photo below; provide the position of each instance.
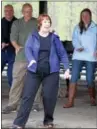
(45, 25)
(86, 17)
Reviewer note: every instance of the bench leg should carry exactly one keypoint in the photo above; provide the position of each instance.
(67, 87)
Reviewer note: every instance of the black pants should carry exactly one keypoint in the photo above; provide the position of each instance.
(9, 58)
(50, 85)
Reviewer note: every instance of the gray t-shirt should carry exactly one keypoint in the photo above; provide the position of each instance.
(20, 31)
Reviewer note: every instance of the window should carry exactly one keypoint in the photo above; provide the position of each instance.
(65, 15)
(18, 6)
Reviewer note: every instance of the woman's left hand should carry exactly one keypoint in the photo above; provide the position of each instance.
(67, 74)
(80, 49)
(95, 54)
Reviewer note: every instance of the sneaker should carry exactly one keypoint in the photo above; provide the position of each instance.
(8, 110)
(16, 127)
(49, 125)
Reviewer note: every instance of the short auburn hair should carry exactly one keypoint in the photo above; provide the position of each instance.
(41, 18)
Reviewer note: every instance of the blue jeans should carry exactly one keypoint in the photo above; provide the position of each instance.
(9, 58)
(90, 70)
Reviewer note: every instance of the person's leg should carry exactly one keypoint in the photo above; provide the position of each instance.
(76, 68)
(37, 106)
(10, 68)
(19, 71)
(32, 83)
(50, 92)
(90, 70)
(3, 60)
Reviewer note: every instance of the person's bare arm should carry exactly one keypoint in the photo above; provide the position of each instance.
(16, 46)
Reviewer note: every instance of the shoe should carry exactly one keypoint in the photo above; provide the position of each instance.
(16, 127)
(36, 108)
(92, 95)
(49, 125)
(8, 110)
(71, 97)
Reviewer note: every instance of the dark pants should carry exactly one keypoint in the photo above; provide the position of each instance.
(50, 85)
(7, 58)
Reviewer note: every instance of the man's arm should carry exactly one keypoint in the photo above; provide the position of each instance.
(2, 33)
(14, 36)
(16, 46)
(3, 42)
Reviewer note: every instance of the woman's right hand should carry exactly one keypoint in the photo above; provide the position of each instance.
(95, 54)
(31, 62)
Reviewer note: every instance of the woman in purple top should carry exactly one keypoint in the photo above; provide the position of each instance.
(43, 51)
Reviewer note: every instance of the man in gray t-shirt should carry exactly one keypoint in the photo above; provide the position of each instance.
(20, 30)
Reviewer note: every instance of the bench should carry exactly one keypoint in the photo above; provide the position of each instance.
(69, 48)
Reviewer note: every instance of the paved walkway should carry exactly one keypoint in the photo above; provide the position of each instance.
(81, 116)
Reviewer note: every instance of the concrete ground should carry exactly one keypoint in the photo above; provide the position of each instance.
(82, 115)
